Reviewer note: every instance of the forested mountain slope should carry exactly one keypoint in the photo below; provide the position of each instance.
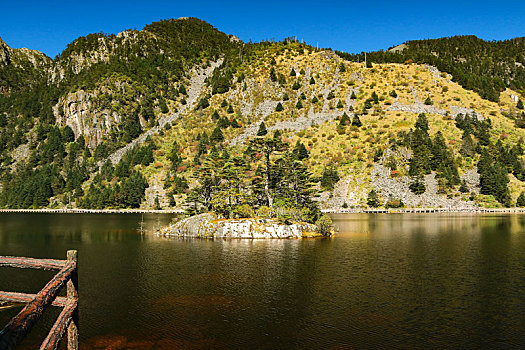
(487, 67)
(196, 116)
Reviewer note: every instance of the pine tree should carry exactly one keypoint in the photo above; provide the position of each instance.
(273, 76)
(223, 123)
(439, 151)
(493, 178)
(375, 98)
(314, 99)
(329, 177)
(393, 93)
(339, 104)
(356, 121)
(342, 67)
(296, 85)
(203, 103)
(286, 97)
(235, 124)
(312, 80)
(520, 202)
(215, 115)
(429, 101)
(483, 134)
(281, 79)
(230, 109)
(298, 105)
(345, 119)
(417, 186)
(464, 187)
(268, 146)
(467, 146)
(156, 204)
(292, 73)
(421, 145)
(373, 199)
(203, 143)
(294, 183)
(422, 122)
(300, 151)
(279, 107)
(353, 96)
(519, 105)
(224, 103)
(67, 134)
(262, 130)
(330, 96)
(217, 136)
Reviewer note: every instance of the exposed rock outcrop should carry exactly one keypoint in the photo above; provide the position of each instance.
(197, 83)
(75, 110)
(398, 188)
(210, 226)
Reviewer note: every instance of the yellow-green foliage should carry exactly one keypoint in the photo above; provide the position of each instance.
(352, 150)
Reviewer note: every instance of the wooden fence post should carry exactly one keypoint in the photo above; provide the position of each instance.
(72, 293)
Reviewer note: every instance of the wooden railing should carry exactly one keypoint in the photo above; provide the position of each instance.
(20, 325)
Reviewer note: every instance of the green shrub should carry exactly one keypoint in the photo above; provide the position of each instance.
(324, 225)
(394, 203)
(285, 211)
(264, 212)
(244, 211)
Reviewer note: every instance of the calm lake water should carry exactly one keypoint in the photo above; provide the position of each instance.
(431, 281)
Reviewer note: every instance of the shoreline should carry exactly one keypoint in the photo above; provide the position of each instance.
(426, 210)
(326, 211)
(93, 211)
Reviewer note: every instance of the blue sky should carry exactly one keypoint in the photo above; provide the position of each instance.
(351, 26)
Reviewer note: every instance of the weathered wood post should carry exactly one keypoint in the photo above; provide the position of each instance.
(72, 294)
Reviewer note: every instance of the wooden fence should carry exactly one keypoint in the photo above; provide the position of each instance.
(20, 325)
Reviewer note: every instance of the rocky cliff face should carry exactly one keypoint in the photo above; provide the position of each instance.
(4, 53)
(20, 57)
(210, 226)
(20, 68)
(102, 50)
(75, 110)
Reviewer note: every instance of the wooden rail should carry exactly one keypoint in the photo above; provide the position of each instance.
(20, 325)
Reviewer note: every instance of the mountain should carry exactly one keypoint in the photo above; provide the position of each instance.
(19, 67)
(487, 67)
(158, 117)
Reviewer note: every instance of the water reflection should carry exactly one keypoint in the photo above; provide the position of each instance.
(386, 281)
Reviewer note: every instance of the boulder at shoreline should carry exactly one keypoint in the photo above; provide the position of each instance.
(211, 226)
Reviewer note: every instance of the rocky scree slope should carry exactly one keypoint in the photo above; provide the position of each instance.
(116, 91)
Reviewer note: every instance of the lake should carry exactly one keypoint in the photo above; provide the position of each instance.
(386, 281)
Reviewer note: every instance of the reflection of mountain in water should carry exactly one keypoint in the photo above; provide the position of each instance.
(386, 281)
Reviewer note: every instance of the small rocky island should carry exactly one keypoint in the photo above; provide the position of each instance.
(210, 225)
